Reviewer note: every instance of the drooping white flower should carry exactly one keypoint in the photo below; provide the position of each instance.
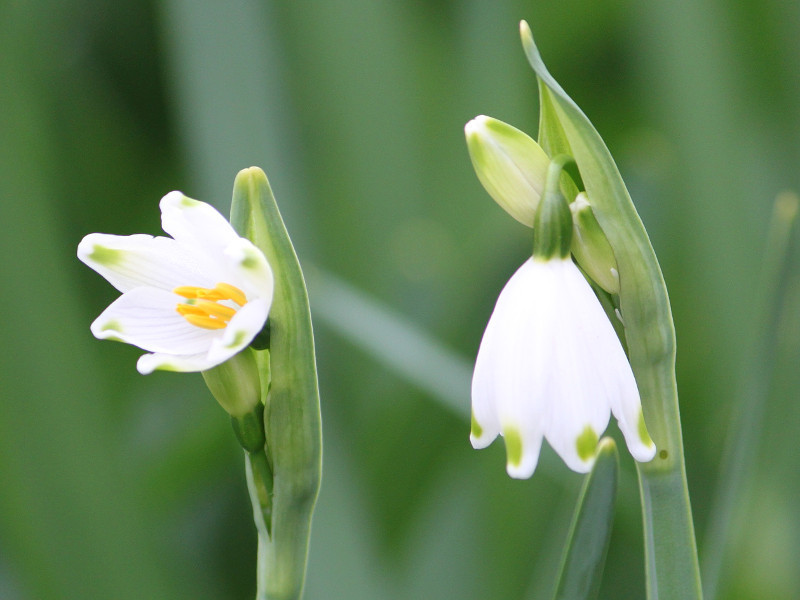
(192, 300)
(550, 365)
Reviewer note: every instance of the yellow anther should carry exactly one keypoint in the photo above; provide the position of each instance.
(221, 291)
(205, 322)
(190, 309)
(232, 293)
(203, 308)
(190, 291)
(213, 309)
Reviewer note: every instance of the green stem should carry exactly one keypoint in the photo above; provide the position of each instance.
(260, 487)
(259, 484)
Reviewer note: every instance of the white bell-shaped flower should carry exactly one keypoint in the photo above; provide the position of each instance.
(193, 300)
(550, 365)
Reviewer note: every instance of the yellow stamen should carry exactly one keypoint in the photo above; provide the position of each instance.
(206, 322)
(232, 293)
(203, 308)
(221, 291)
(189, 309)
(214, 309)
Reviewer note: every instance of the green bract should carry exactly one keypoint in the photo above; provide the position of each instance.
(292, 412)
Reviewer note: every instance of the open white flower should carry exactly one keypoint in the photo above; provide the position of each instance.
(550, 365)
(193, 300)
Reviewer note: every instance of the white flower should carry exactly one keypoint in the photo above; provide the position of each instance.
(550, 365)
(193, 300)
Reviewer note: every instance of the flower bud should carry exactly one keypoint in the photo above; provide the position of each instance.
(590, 246)
(510, 165)
(236, 384)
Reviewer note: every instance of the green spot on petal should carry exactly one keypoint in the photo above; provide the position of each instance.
(642, 430)
(106, 256)
(513, 446)
(237, 340)
(189, 202)
(586, 443)
(476, 430)
(250, 260)
(112, 325)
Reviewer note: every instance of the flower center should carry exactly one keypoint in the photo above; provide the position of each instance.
(202, 307)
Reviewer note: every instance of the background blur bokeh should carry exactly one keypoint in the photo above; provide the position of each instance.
(114, 485)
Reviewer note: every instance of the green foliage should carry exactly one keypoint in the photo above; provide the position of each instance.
(590, 533)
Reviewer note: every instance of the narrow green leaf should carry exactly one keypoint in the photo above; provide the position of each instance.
(589, 535)
(744, 432)
(292, 413)
(670, 548)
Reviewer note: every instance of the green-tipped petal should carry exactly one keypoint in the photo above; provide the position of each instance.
(196, 224)
(146, 318)
(131, 261)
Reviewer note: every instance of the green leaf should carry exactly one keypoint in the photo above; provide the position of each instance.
(589, 535)
(292, 412)
(753, 395)
(670, 548)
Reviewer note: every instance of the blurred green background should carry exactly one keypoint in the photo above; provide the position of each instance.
(114, 485)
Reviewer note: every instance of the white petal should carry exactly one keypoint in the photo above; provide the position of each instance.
(140, 260)
(531, 446)
(509, 391)
(248, 265)
(612, 372)
(243, 327)
(146, 317)
(551, 364)
(627, 408)
(196, 224)
(158, 361)
(581, 407)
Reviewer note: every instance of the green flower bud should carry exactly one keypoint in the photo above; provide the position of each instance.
(591, 248)
(510, 165)
(236, 384)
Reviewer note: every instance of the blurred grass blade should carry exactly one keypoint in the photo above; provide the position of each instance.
(747, 415)
(670, 548)
(396, 342)
(587, 544)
